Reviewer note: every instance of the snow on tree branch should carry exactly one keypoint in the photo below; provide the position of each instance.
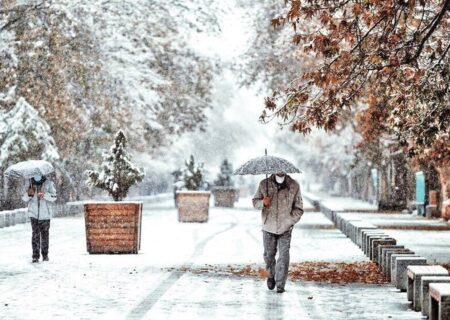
(117, 173)
(23, 133)
(389, 56)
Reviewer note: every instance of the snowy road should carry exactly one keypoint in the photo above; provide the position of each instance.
(76, 285)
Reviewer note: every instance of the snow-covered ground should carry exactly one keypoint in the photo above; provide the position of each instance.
(76, 285)
(347, 204)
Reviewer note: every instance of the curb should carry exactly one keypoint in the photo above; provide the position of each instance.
(394, 261)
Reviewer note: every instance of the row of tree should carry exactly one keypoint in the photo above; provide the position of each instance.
(73, 74)
(377, 68)
(192, 177)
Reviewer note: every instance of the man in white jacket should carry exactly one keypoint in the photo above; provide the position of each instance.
(39, 197)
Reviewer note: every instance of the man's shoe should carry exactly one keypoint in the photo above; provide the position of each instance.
(35, 260)
(280, 290)
(271, 283)
(45, 258)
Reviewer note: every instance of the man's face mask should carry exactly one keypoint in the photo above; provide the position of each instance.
(280, 179)
(37, 178)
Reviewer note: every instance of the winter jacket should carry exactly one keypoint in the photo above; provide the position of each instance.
(286, 207)
(41, 209)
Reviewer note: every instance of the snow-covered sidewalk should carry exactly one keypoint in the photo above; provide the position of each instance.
(76, 285)
(341, 203)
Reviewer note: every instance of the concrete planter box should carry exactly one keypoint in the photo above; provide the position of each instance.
(224, 196)
(113, 227)
(193, 206)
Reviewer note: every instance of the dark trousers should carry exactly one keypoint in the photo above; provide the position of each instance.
(39, 239)
(277, 269)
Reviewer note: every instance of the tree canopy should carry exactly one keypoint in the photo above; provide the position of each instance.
(385, 62)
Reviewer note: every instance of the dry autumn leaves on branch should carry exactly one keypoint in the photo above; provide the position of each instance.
(384, 63)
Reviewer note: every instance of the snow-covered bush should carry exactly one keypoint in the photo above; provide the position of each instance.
(224, 178)
(117, 173)
(193, 175)
(23, 133)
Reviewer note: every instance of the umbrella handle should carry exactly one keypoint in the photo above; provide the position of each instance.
(267, 179)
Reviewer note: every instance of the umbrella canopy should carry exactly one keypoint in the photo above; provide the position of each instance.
(28, 169)
(266, 165)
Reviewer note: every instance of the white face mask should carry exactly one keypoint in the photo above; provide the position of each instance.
(279, 179)
(37, 178)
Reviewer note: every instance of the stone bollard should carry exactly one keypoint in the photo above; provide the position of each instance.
(8, 217)
(415, 274)
(380, 253)
(369, 240)
(425, 288)
(376, 244)
(354, 231)
(392, 264)
(359, 231)
(366, 234)
(13, 218)
(21, 215)
(2, 219)
(399, 266)
(339, 220)
(383, 253)
(328, 213)
(333, 216)
(354, 228)
(18, 216)
(439, 301)
(388, 259)
(347, 226)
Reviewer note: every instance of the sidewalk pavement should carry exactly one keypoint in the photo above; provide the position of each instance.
(346, 204)
(76, 285)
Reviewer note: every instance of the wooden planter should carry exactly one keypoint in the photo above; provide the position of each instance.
(113, 227)
(193, 206)
(224, 196)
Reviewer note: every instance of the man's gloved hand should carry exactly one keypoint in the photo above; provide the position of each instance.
(30, 192)
(266, 201)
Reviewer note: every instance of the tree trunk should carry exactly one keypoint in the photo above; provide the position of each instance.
(394, 184)
(444, 192)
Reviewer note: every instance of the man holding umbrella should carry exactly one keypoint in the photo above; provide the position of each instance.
(279, 198)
